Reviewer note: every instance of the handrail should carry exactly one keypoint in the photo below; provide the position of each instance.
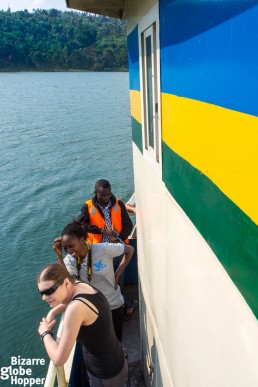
(133, 234)
(54, 371)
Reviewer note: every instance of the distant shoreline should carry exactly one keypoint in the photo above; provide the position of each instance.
(26, 70)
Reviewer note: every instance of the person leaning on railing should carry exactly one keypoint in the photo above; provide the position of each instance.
(88, 319)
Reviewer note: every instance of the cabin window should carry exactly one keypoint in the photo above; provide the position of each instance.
(150, 94)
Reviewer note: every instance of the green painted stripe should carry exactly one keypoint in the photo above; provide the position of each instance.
(229, 232)
(137, 133)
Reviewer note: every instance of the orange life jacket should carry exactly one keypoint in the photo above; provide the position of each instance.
(97, 220)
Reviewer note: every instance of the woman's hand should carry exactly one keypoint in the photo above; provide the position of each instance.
(45, 325)
(58, 247)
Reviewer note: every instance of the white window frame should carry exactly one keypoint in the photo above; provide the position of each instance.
(149, 27)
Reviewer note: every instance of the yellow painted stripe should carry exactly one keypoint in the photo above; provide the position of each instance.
(221, 143)
(135, 101)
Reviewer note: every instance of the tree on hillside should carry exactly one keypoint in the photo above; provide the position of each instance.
(55, 40)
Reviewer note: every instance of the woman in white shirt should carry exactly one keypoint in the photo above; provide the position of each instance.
(93, 264)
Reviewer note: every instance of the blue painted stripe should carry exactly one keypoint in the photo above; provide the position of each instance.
(133, 59)
(209, 52)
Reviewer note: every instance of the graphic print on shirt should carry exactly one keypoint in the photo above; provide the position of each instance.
(99, 265)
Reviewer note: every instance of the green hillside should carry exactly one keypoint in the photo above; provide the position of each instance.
(51, 40)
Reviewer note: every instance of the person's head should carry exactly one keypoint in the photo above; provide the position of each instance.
(53, 282)
(103, 191)
(73, 239)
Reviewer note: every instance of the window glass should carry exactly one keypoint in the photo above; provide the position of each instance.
(149, 75)
(150, 92)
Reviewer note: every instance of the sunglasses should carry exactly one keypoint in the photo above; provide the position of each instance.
(53, 288)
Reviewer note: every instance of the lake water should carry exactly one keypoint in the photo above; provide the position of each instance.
(59, 133)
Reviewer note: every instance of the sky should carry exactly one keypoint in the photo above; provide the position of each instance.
(18, 5)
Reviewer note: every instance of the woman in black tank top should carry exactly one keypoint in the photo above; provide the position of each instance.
(87, 319)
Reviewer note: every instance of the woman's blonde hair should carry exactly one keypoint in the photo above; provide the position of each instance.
(54, 272)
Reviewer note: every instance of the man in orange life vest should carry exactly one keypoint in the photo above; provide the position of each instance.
(104, 217)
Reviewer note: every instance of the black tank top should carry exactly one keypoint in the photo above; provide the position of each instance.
(102, 352)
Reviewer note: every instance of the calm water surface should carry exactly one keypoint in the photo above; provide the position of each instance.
(59, 133)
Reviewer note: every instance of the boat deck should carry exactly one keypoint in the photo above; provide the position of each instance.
(131, 340)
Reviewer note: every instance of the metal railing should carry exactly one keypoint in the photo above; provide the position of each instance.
(62, 373)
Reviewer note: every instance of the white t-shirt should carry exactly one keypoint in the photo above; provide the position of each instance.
(103, 277)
